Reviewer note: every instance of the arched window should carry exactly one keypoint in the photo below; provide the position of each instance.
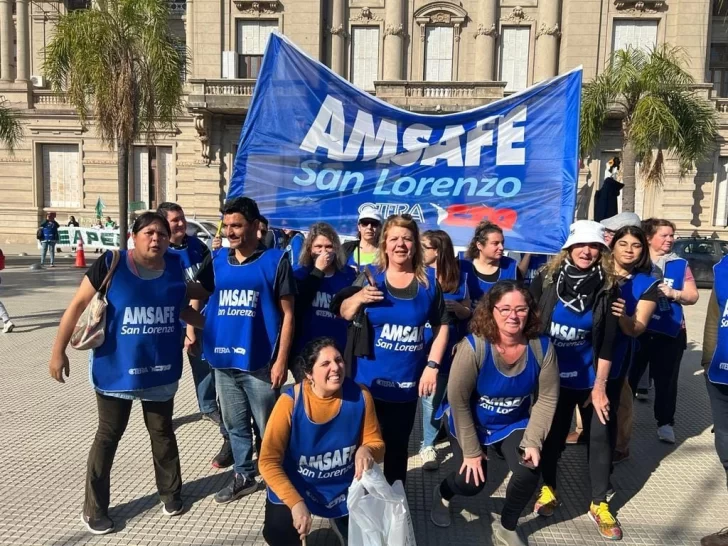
(439, 50)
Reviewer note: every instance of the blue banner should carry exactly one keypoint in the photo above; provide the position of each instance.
(316, 148)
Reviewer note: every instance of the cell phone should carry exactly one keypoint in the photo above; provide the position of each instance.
(369, 276)
(528, 464)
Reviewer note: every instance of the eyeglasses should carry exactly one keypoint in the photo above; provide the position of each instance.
(505, 312)
(367, 222)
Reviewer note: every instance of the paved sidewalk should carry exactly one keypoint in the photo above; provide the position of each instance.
(666, 494)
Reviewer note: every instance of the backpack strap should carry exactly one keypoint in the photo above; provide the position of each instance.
(481, 350)
(539, 351)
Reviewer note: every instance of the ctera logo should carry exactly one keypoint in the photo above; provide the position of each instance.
(388, 209)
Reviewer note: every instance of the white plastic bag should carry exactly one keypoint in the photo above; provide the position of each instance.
(378, 512)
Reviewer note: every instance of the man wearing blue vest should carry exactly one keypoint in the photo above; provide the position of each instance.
(248, 333)
(48, 237)
(192, 252)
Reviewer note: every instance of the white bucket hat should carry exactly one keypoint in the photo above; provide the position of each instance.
(370, 213)
(583, 232)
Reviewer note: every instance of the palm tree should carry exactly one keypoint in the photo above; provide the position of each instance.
(659, 110)
(119, 65)
(10, 129)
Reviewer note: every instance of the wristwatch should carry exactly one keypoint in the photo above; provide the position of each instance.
(433, 364)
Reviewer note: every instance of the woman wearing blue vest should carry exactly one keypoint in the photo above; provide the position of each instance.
(323, 433)
(487, 263)
(322, 273)
(715, 362)
(496, 372)
(575, 294)
(439, 255)
(140, 359)
(398, 367)
(663, 345)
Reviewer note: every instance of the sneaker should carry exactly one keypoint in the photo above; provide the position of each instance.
(642, 394)
(575, 438)
(546, 502)
(173, 507)
(620, 456)
(504, 537)
(610, 493)
(606, 523)
(440, 511)
(224, 457)
(8, 327)
(98, 526)
(340, 527)
(239, 487)
(666, 434)
(716, 539)
(213, 417)
(429, 459)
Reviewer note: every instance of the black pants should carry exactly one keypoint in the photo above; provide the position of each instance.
(278, 529)
(602, 438)
(663, 354)
(396, 420)
(113, 418)
(521, 486)
(718, 395)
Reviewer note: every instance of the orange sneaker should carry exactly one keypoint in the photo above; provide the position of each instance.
(606, 523)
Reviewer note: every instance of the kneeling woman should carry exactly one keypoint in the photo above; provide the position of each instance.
(137, 362)
(326, 413)
(495, 375)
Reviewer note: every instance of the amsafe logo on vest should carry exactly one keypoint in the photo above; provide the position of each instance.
(330, 464)
(147, 320)
(396, 337)
(238, 303)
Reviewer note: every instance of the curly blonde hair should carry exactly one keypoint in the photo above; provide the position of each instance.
(605, 260)
(418, 264)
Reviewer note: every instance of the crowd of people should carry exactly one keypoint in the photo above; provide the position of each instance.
(498, 352)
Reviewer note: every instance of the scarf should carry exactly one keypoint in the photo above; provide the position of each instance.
(577, 289)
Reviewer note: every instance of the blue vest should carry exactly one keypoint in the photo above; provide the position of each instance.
(501, 404)
(191, 256)
(319, 460)
(631, 291)
(243, 319)
(318, 320)
(536, 262)
(670, 322)
(478, 287)
(399, 354)
(718, 370)
(456, 328)
(49, 231)
(294, 248)
(142, 346)
(571, 335)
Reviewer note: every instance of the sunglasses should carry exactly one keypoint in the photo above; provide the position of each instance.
(367, 222)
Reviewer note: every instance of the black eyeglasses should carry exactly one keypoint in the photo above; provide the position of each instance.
(367, 222)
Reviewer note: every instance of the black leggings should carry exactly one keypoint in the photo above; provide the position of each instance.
(602, 438)
(663, 354)
(521, 486)
(396, 420)
(278, 529)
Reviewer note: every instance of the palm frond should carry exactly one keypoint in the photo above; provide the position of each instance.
(11, 131)
(595, 100)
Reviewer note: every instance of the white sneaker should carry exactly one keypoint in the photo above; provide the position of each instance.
(504, 537)
(666, 434)
(8, 327)
(429, 459)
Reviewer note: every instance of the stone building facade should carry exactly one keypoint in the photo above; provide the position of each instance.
(424, 55)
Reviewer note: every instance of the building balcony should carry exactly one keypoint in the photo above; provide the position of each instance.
(438, 97)
(220, 96)
(44, 99)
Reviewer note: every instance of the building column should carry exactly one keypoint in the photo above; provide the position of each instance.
(486, 41)
(189, 37)
(547, 40)
(394, 33)
(338, 38)
(23, 33)
(6, 40)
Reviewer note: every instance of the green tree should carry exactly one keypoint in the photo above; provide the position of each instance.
(119, 65)
(652, 94)
(10, 129)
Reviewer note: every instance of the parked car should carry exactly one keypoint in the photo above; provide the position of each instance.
(204, 230)
(702, 254)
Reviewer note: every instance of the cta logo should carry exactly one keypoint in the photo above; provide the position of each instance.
(470, 216)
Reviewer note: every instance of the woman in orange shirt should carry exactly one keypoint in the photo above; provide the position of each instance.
(322, 434)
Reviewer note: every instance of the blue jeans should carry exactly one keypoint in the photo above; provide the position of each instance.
(204, 380)
(44, 246)
(242, 396)
(430, 405)
(718, 395)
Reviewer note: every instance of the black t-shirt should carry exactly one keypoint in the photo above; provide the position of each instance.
(285, 283)
(495, 276)
(98, 270)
